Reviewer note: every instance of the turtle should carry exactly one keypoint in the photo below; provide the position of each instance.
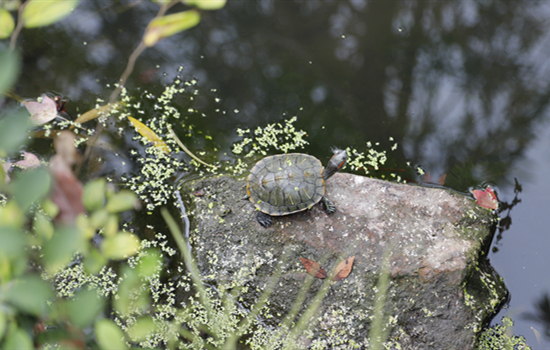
(289, 183)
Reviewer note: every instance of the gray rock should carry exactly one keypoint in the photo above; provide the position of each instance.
(441, 289)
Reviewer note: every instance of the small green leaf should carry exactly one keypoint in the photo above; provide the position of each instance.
(120, 246)
(39, 13)
(7, 24)
(143, 327)
(43, 227)
(11, 215)
(3, 323)
(93, 194)
(59, 250)
(12, 242)
(109, 335)
(94, 262)
(131, 294)
(13, 126)
(50, 208)
(99, 218)
(121, 201)
(84, 308)
(206, 4)
(163, 27)
(30, 186)
(18, 339)
(150, 263)
(9, 69)
(29, 294)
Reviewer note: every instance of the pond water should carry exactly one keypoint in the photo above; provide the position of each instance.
(463, 87)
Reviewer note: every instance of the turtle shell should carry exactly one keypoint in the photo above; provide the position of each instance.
(286, 183)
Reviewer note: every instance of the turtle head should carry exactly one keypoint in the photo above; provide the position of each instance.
(335, 163)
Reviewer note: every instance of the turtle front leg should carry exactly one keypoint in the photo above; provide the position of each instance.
(328, 205)
(264, 219)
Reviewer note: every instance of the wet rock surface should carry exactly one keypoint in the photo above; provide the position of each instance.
(431, 240)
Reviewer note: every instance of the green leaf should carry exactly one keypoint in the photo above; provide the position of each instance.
(29, 294)
(13, 126)
(17, 339)
(3, 323)
(93, 194)
(30, 186)
(59, 250)
(7, 24)
(12, 242)
(163, 27)
(120, 246)
(109, 335)
(39, 13)
(131, 294)
(11, 215)
(9, 69)
(84, 308)
(94, 262)
(150, 263)
(206, 4)
(143, 327)
(121, 201)
(43, 227)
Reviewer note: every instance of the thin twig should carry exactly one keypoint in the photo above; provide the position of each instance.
(134, 56)
(20, 23)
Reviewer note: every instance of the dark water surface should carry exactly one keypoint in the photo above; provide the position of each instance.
(463, 87)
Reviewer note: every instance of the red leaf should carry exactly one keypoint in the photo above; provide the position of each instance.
(30, 161)
(313, 268)
(67, 190)
(42, 112)
(343, 269)
(487, 199)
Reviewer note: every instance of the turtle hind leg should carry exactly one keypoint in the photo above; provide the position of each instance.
(328, 205)
(264, 219)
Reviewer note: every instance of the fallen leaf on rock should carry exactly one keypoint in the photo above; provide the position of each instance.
(313, 268)
(343, 269)
(486, 198)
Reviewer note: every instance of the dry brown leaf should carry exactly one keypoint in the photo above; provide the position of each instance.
(149, 134)
(313, 268)
(98, 112)
(343, 269)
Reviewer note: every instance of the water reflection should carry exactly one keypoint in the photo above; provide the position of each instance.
(462, 85)
(541, 314)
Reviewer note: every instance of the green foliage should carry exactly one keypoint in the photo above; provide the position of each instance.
(30, 186)
(206, 4)
(9, 70)
(499, 337)
(43, 13)
(163, 27)
(13, 129)
(109, 336)
(7, 24)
